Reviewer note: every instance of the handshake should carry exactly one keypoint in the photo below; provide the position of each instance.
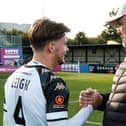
(90, 97)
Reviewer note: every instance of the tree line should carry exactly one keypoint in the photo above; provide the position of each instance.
(109, 33)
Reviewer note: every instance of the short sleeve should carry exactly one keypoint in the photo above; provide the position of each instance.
(57, 96)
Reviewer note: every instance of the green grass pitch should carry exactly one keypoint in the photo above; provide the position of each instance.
(75, 82)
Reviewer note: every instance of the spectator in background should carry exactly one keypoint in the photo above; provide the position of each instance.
(13, 63)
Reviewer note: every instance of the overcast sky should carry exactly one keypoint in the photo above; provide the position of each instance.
(79, 15)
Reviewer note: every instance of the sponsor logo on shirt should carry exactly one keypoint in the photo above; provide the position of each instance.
(59, 86)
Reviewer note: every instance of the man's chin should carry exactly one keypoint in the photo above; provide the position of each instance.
(62, 62)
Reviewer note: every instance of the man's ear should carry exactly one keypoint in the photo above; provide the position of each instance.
(51, 46)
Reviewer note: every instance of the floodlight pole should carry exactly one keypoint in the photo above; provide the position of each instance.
(43, 7)
(78, 65)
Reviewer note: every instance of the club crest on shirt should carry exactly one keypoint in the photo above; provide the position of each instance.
(59, 99)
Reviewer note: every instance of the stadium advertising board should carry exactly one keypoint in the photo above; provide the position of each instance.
(11, 56)
(10, 59)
